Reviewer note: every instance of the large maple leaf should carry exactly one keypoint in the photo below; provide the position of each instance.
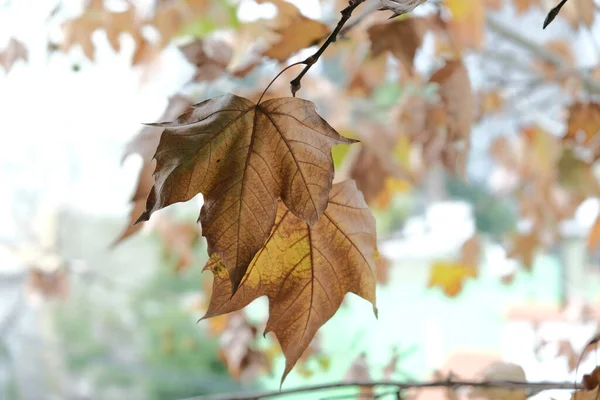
(305, 270)
(243, 157)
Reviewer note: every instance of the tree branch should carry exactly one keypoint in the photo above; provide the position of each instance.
(295, 84)
(533, 387)
(374, 6)
(541, 52)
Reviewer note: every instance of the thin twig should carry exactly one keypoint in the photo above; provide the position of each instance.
(277, 76)
(531, 386)
(295, 84)
(368, 396)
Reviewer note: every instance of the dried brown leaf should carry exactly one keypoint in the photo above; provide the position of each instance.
(243, 157)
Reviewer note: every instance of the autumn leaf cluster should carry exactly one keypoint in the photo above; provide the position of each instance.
(275, 222)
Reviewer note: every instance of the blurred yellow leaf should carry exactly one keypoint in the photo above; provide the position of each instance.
(467, 26)
(450, 276)
(392, 186)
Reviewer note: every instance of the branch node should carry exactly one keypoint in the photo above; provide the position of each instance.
(295, 85)
(310, 61)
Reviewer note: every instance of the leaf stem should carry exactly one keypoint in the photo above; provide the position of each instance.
(277, 76)
(295, 84)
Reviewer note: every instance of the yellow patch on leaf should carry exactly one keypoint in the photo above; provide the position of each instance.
(305, 271)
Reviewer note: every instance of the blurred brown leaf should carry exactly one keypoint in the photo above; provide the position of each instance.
(467, 26)
(144, 144)
(583, 124)
(489, 102)
(373, 164)
(48, 284)
(401, 37)
(13, 52)
(382, 269)
(179, 240)
(78, 31)
(210, 57)
(593, 239)
(449, 121)
(524, 5)
(359, 371)
(565, 348)
(390, 368)
(367, 76)
(238, 352)
(294, 31)
(523, 248)
(168, 19)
